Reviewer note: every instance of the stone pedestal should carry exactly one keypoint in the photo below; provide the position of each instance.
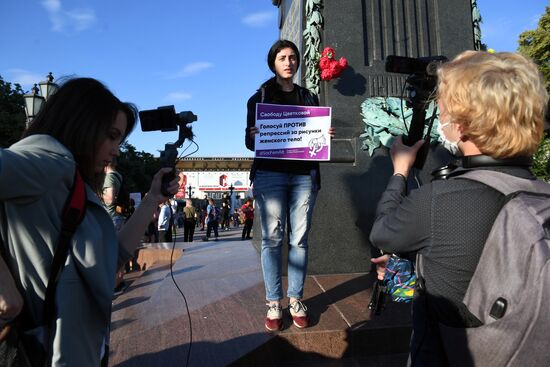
(150, 253)
(365, 32)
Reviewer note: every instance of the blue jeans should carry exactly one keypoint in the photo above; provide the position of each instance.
(277, 196)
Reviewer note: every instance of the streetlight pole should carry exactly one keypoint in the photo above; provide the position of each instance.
(34, 100)
(189, 191)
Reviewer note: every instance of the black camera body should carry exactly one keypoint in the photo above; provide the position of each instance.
(165, 118)
(422, 82)
(422, 66)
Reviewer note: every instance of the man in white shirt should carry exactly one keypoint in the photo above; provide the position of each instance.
(165, 222)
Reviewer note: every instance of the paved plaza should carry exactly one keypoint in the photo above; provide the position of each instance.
(223, 286)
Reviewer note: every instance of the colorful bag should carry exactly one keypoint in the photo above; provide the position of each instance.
(400, 279)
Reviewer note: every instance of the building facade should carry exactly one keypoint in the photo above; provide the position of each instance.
(213, 177)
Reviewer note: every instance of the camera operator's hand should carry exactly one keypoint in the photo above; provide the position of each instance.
(403, 156)
(155, 193)
(381, 263)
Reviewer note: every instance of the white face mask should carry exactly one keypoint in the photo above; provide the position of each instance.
(451, 146)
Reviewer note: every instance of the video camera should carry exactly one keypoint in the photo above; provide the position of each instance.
(165, 118)
(422, 81)
(426, 66)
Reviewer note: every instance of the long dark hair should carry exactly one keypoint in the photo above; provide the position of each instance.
(276, 48)
(271, 87)
(79, 115)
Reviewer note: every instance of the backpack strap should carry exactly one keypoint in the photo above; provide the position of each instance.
(73, 213)
(505, 183)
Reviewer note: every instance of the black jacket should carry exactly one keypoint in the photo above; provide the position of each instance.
(447, 222)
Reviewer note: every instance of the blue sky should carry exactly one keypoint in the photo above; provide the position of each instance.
(203, 56)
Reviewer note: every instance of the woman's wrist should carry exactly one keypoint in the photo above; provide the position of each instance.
(149, 201)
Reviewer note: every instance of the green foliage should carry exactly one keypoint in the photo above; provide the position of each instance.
(12, 113)
(312, 41)
(541, 158)
(536, 45)
(136, 168)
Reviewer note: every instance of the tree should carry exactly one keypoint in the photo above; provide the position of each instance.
(12, 113)
(136, 168)
(541, 160)
(536, 45)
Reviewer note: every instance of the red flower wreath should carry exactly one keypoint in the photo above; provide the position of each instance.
(330, 68)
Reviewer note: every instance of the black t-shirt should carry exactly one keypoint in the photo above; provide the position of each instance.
(290, 98)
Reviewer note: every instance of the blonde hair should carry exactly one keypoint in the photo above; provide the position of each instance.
(499, 99)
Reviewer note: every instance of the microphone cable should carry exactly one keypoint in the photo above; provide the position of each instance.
(172, 266)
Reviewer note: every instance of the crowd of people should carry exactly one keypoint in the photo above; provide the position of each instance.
(206, 215)
(491, 107)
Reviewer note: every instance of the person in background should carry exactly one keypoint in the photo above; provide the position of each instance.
(174, 205)
(131, 208)
(179, 218)
(212, 218)
(190, 217)
(491, 109)
(204, 206)
(200, 218)
(165, 222)
(152, 232)
(224, 211)
(284, 190)
(81, 125)
(111, 188)
(248, 211)
(235, 205)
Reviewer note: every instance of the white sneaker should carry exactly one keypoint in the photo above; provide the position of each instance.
(274, 318)
(299, 316)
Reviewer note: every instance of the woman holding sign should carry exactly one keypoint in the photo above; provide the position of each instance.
(284, 190)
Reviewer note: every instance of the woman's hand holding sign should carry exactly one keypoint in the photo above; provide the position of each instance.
(253, 131)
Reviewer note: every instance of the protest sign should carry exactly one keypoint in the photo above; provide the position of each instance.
(292, 132)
